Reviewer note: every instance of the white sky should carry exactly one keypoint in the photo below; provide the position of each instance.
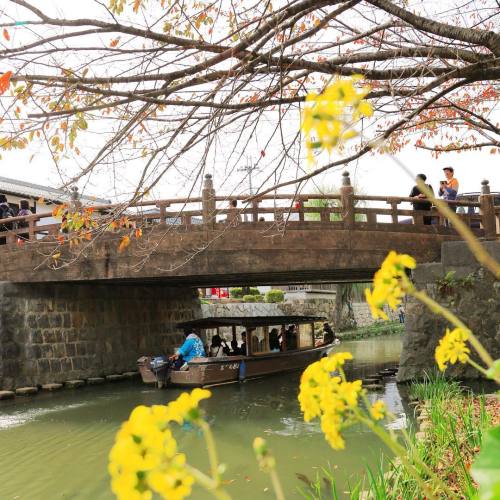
(374, 175)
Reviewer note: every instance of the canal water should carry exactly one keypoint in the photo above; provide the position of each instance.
(55, 446)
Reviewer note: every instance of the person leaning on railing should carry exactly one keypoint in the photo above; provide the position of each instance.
(24, 211)
(422, 205)
(6, 212)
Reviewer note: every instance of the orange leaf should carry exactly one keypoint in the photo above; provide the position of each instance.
(137, 4)
(5, 81)
(114, 42)
(56, 255)
(138, 233)
(124, 243)
(6, 34)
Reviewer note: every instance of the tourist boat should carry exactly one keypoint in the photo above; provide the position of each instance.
(259, 361)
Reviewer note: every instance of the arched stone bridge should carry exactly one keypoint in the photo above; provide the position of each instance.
(272, 239)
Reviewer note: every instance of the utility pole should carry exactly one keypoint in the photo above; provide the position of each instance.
(248, 168)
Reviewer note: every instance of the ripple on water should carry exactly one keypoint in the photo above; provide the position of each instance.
(21, 417)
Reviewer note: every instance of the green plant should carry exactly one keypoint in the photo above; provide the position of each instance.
(249, 298)
(274, 296)
(448, 284)
(236, 293)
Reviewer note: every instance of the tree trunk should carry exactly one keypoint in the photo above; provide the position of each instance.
(344, 313)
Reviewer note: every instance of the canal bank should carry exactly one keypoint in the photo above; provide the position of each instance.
(76, 430)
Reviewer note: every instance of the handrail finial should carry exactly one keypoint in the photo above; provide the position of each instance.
(346, 180)
(485, 187)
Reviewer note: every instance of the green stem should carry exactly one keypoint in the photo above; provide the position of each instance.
(208, 483)
(401, 452)
(479, 368)
(278, 490)
(453, 319)
(211, 448)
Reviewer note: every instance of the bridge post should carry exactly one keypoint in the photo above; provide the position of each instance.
(347, 201)
(75, 203)
(487, 211)
(208, 202)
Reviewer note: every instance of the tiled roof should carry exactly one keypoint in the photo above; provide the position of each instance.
(36, 191)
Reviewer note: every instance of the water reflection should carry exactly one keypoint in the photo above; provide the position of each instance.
(56, 445)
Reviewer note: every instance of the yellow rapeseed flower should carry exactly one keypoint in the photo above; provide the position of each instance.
(378, 410)
(325, 395)
(144, 459)
(185, 407)
(328, 118)
(452, 348)
(387, 284)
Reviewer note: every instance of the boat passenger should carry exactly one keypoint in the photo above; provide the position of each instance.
(328, 334)
(243, 347)
(274, 341)
(256, 346)
(216, 348)
(291, 338)
(191, 348)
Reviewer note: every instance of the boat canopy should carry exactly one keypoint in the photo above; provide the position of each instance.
(248, 321)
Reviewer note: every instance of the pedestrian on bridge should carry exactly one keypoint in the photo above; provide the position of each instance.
(419, 195)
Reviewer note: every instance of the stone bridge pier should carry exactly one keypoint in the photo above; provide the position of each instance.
(60, 331)
(472, 293)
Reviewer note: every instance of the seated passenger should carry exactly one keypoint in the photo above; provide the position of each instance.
(274, 341)
(191, 348)
(217, 348)
(328, 334)
(242, 350)
(255, 343)
(291, 338)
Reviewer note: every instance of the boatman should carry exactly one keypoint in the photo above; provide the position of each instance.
(191, 348)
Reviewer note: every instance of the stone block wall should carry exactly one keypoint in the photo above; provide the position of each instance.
(56, 332)
(311, 307)
(304, 306)
(477, 305)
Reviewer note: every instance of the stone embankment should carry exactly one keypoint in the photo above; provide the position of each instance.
(55, 333)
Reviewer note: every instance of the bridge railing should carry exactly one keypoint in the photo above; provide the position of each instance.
(345, 210)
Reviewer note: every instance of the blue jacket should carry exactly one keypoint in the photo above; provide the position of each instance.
(192, 348)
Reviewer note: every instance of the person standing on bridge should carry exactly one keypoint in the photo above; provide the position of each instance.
(418, 195)
(448, 189)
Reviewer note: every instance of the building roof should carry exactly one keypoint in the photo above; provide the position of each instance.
(249, 321)
(29, 190)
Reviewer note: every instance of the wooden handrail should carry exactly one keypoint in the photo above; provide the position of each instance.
(253, 206)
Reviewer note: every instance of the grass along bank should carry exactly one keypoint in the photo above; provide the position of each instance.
(446, 437)
(373, 330)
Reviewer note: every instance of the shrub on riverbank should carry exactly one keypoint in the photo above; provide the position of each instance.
(373, 330)
(450, 427)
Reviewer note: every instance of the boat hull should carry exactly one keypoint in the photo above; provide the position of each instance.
(214, 371)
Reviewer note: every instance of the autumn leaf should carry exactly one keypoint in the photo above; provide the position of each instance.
(6, 34)
(138, 233)
(125, 242)
(20, 242)
(137, 4)
(56, 255)
(5, 81)
(41, 200)
(114, 42)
